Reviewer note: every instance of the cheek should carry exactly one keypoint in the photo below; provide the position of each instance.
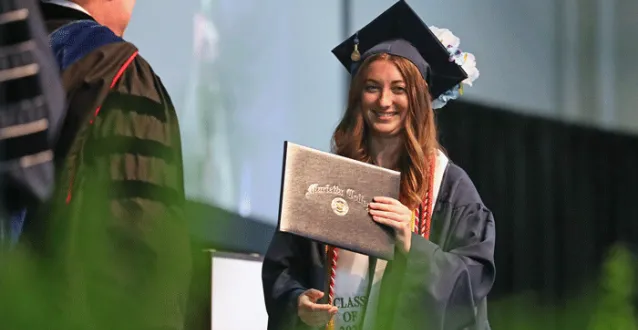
(401, 103)
(128, 11)
(368, 100)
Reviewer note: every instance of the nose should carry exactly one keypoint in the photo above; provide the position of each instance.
(385, 99)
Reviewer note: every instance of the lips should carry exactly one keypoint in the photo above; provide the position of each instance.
(385, 114)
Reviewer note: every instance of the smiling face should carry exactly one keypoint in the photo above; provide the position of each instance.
(389, 97)
(384, 98)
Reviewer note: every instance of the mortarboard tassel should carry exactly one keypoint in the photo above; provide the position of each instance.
(356, 56)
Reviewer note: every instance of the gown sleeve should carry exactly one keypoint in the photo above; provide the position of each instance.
(284, 277)
(441, 289)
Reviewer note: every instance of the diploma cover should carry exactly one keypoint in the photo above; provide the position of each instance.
(324, 197)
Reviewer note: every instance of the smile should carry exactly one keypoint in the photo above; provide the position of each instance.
(385, 115)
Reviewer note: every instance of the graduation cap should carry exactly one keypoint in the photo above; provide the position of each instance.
(400, 31)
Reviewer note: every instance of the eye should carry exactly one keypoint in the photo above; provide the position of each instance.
(371, 88)
(398, 90)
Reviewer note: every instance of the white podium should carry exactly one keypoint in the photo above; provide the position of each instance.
(237, 299)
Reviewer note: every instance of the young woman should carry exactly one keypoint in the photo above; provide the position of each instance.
(444, 264)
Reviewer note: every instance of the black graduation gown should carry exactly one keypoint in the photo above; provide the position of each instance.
(440, 284)
(113, 238)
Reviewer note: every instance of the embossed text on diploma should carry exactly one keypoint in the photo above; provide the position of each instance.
(335, 190)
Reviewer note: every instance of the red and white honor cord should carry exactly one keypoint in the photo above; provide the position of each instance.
(427, 205)
(333, 254)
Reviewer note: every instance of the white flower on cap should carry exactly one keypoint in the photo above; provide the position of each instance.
(465, 60)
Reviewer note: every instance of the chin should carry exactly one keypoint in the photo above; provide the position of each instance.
(386, 129)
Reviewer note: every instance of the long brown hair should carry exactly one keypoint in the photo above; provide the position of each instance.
(351, 136)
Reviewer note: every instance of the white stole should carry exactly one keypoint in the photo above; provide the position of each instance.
(352, 278)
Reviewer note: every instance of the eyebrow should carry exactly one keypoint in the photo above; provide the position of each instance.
(393, 82)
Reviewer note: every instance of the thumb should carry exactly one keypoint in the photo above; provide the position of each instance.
(314, 294)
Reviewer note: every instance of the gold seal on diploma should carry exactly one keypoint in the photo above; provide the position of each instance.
(340, 206)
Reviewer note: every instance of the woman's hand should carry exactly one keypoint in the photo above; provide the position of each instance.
(392, 213)
(310, 312)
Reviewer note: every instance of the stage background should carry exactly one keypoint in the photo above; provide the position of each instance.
(271, 76)
(548, 133)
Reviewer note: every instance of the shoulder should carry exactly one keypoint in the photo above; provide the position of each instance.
(76, 40)
(85, 47)
(145, 81)
(118, 67)
(141, 92)
(457, 189)
(89, 54)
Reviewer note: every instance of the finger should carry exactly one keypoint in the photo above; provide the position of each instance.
(321, 308)
(385, 207)
(314, 294)
(396, 225)
(386, 200)
(388, 222)
(389, 215)
(318, 308)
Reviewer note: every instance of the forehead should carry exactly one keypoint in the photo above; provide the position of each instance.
(383, 70)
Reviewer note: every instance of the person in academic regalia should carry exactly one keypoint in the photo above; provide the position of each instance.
(32, 103)
(444, 266)
(113, 237)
